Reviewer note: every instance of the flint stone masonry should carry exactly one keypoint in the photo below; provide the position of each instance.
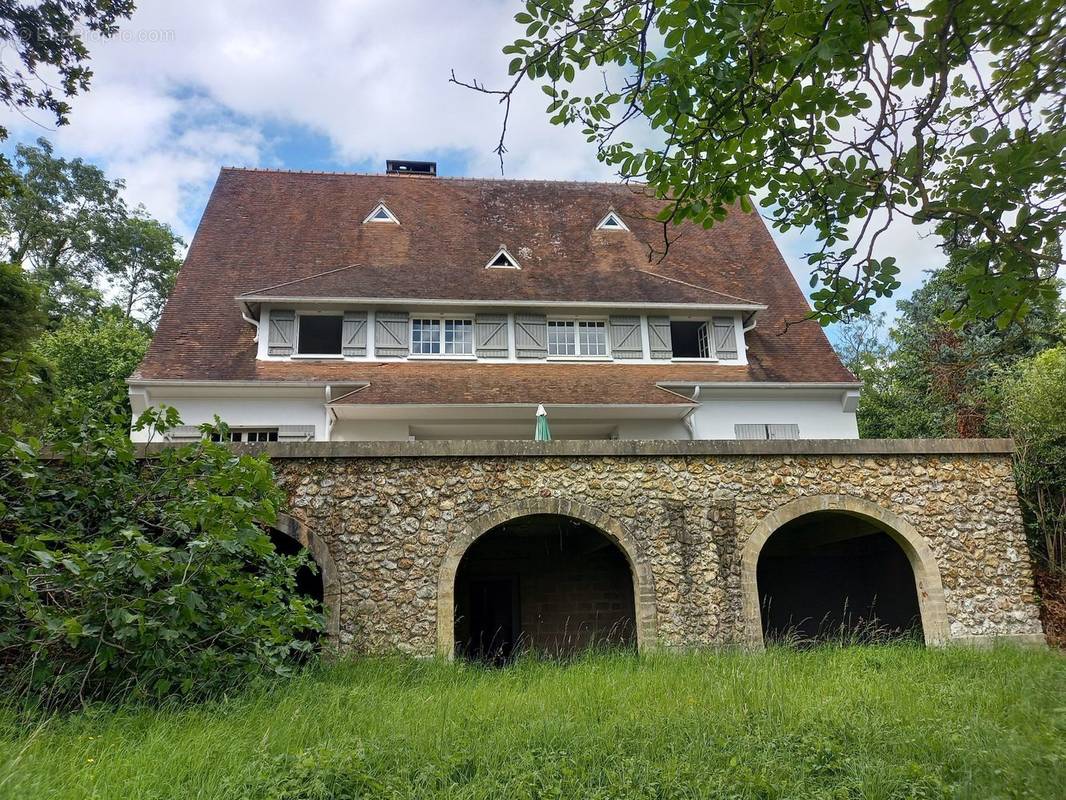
(395, 519)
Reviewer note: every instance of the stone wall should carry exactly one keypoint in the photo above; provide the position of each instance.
(691, 517)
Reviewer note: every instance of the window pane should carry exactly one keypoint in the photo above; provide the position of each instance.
(561, 341)
(425, 336)
(593, 337)
(458, 336)
(320, 334)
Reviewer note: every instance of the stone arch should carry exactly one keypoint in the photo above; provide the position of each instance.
(926, 571)
(331, 584)
(643, 580)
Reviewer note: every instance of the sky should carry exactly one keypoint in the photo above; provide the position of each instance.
(188, 87)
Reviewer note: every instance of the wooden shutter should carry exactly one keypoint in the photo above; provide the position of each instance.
(531, 336)
(725, 337)
(490, 335)
(353, 333)
(282, 332)
(748, 431)
(391, 334)
(625, 337)
(662, 345)
(789, 431)
(296, 433)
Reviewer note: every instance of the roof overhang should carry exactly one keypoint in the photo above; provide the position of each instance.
(260, 299)
(487, 413)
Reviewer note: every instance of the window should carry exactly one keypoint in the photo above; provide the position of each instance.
(434, 337)
(381, 214)
(691, 339)
(577, 338)
(612, 222)
(320, 334)
(503, 260)
(258, 435)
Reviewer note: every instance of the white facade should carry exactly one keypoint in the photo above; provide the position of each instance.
(315, 410)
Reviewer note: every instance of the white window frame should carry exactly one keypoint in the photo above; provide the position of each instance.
(442, 320)
(503, 252)
(576, 323)
(371, 217)
(621, 226)
(296, 334)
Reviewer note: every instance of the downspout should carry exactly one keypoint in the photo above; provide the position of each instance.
(250, 320)
(330, 414)
(687, 421)
(745, 327)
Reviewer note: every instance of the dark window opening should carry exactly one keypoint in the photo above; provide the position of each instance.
(502, 260)
(262, 435)
(320, 334)
(543, 583)
(689, 339)
(834, 577)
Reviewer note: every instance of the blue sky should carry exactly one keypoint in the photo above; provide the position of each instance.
(328, 85)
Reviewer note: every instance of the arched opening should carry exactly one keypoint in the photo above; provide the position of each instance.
(832, 576)
(317, 580)
(547, 583)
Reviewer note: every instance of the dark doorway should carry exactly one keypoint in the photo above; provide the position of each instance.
(308, 576)
(544, 583)
(494, 619)
(835, 577)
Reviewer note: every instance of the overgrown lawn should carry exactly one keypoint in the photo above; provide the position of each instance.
(875, 722)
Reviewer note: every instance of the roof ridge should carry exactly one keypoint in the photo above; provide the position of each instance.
(461, 178)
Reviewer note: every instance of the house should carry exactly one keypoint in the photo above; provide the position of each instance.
(350, 320)
(406, 306)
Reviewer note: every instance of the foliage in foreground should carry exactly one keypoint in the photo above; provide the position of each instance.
(141, 578)
(825, 724)
(843, 116)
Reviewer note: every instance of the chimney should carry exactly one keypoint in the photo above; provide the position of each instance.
(398, 167)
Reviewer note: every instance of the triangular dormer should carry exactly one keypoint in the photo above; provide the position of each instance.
(381, 213)
(612, 222)
(502, 260)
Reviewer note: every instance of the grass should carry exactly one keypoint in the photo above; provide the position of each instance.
(874, 722)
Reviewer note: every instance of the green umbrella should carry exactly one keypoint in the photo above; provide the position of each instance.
(542, 433)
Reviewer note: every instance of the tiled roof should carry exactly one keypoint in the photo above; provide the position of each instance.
(303, 232)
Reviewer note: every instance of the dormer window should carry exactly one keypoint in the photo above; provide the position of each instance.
(381, 213)
(319, 334)
(502, 260)
(612, 222)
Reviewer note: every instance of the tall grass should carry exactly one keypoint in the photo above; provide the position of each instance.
(830, 722)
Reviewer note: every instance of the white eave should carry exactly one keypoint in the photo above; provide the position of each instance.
(428, 301)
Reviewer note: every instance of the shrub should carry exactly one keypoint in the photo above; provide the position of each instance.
(1036, 402)
(141, 578)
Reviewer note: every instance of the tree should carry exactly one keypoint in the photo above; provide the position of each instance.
(67, 224)
(47, 34)
(90, 358)
(20, 319)
(142, 261)
(55, 218)
(845, 116)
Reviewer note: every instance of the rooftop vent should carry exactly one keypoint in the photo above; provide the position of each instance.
(394, 167)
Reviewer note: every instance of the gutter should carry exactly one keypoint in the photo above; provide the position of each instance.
(247, 317)
(473, 303)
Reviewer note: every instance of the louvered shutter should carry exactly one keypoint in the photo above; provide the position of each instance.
(789, 431)
(725, 337)
(662, 345)
(353, 333)
(625, 337)
(748, 431)
(390, 334)
(296, 433)
(184, 433)
(282, 332)
(531, 336)
(490, 335)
